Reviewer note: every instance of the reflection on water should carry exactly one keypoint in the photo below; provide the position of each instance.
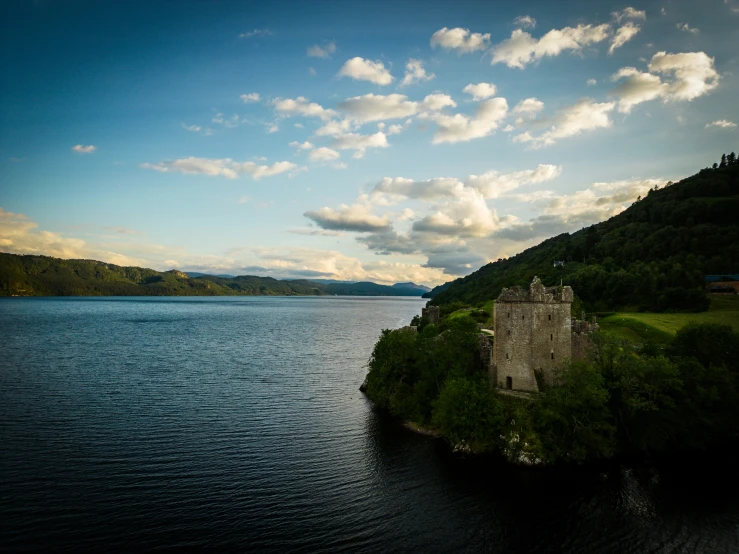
(237, 424)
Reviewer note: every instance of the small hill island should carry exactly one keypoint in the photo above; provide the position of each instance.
(500, 363)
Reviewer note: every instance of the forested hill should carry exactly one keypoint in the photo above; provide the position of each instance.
(652, 256)
(45, 276)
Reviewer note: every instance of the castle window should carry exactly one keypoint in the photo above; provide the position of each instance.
(552, 355)
(506, 355)
(523, 317)
(551, 337)
(509, 314)
(509, 383)
(550, 317)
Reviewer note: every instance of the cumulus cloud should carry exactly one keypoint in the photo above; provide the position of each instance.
(302, 145)
(19, 234)
(251, 97)
(722, 124)
(525, 21)
(378, 107)
(89, 149)
(480, 91)
(358, 218)
(301, 106)
(592, 82)
(360, 143)
(366, 70)
(529, 106)
(623, 35)
(461, 128)
(570, 212)
(460, 40)
(325, 51)
(335, 127)
(584, 115)
(191, 128)
(323, 154)
(688, 76)
(415, 73)
(522, 49)
(225, 167)
(491, 184)
(629, 13)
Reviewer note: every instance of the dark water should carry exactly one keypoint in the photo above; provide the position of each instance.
(236, 424)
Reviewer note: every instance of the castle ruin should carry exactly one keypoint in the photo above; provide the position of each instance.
(534, 333)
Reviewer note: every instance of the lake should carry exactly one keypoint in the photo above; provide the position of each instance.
(236, 424)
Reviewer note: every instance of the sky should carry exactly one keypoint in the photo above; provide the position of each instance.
(382, 141)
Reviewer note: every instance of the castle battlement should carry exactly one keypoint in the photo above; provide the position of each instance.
(537, 292)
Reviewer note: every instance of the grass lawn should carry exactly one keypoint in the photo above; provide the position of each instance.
(659, 328)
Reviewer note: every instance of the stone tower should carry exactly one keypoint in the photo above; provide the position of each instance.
(532, 333)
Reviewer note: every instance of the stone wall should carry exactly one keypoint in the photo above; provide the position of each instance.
(431, 314)
(532, 333)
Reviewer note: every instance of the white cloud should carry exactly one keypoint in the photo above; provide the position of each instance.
(461, 40)
(529, 106)
(272, 128)
(377, 107)
(302, 145)
(585, 115)
(20, 235)
(491, 184)
(395, 129)
(687, 28)
(89, 149)
(480, 91)
(592, 82)
(525, 21)
(637, 88)
(462, 128)
(366, 70)
(325, 51)
(693, 72)
(623, 35)
(722, 123)
(357, 218)
(256, 33)
(334, 127)
(689, 75)
(301, 106)
(251, 97)
(415, 73)
(360, 143)
(225, 167)
(629, 13)
(522, 49)
(244, 200)
(323, 154)
(191, 128)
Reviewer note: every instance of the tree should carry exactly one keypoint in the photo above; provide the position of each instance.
(723, 161)
(731, 158)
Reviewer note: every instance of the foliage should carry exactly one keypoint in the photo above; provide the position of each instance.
(652, 256)
(619, 401)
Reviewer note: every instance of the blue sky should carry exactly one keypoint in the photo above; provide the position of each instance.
(384, 141)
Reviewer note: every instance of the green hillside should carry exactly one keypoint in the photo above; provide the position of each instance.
(651, 257)
(45, 276)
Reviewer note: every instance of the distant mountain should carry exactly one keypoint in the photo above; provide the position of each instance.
(45, 276)
(373, 289)
(652, 256)
(196, 274)
(422, 288)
